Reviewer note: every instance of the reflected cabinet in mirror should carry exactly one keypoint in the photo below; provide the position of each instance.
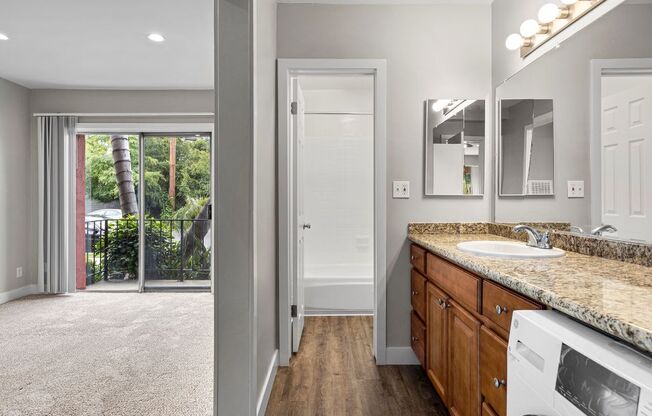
(600, 81)
(455, 147)
(526, 147)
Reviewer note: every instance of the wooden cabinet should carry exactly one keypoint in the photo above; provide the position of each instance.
(418, 340)
(418, 290)
(418, 258)
(464, 320)
(461, 285)
(498, 304)
(464, 357)
(437, 340)
(493, 370)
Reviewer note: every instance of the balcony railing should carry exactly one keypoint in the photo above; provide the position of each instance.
(175, 249)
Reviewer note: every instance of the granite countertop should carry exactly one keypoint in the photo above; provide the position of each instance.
(613, 296)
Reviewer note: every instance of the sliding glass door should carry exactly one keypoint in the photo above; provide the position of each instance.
(176, 211)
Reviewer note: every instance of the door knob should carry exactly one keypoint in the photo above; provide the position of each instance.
(306, 226)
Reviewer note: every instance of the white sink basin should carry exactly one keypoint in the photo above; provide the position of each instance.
(508, 250)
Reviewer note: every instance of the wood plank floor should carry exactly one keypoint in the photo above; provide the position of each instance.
(335, 374)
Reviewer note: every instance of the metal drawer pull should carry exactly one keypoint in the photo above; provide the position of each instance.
(415, 339)
(442, 303)
(412, 258)
(498, 383)
(414, 293)
(501, 309)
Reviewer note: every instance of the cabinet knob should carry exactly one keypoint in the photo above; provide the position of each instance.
(412, 257)
(501, 309)
(442, 303)
(414, 293)
(415, 339)
(498, 383)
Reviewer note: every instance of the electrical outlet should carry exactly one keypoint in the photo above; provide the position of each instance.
(576, 189)
(19, 272)
(401, 189)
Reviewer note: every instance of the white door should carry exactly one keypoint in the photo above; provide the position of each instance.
(300, 225)
(627, 161)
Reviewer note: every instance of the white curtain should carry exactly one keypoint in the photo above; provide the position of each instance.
(57, 162)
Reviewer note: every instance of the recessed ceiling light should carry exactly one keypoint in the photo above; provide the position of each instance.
(3, 36)
(155, 37)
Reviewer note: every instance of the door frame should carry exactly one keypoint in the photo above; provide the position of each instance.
(286, 69)
(600, 67)
(142, 129)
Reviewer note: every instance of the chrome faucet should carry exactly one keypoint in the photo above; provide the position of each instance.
(604, 229)
(577, 229)
(535, 238)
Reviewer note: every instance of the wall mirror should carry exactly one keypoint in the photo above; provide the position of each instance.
(526, 147)
(454, 147)
(600, 81)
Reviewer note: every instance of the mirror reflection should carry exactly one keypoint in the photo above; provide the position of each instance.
(526, 147)
(455, 147)
(600, 81)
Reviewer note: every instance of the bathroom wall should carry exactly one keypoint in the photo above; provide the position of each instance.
(416, 42)
(338, 198)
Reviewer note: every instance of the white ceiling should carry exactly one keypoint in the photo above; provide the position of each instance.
(103, 43)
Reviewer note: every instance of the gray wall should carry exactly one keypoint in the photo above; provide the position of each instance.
(432, 51)
(17, 237)
(564, 76)
(265, 188)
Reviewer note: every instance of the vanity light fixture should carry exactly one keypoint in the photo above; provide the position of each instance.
(530, 28)
(516, 41)
(439, 105)
(551, 20)
(3, 36)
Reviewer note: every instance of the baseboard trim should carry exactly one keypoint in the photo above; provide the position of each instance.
(261, 406)
(401, 356)
(338, 312)
(18, 293)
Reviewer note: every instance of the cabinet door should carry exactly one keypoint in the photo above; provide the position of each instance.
(493, 370)
(437, 336)
(463, 347)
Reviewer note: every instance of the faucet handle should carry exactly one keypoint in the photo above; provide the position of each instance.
(544, 242)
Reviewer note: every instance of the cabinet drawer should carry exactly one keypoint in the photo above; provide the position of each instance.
(498, 304)
(419, 338)
(419, 294)
(461, 285)
(418, 258)
(493, 371)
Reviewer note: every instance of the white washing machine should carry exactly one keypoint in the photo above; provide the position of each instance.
(559, 367)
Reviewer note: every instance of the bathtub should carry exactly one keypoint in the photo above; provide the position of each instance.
(339, 290)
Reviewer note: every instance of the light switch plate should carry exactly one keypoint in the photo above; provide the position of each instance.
(401, 189)
(576, 189)
(19, 272)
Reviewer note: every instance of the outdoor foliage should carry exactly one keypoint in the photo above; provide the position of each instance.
(192, 178)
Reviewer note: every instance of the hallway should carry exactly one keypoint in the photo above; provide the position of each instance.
(335, 374)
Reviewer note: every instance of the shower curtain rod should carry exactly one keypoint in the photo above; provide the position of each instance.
(125, 114)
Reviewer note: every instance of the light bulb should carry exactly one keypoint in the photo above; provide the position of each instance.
(3, 36)
(439, 105)
(529, 28)
(513, 41)
(155, 37)
(569, 2)
(548, 13)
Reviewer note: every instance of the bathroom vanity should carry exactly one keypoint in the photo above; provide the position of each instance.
(462, 306)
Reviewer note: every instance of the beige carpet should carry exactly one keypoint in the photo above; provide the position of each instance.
(107, 354)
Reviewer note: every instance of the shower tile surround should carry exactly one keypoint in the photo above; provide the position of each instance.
(604, 283)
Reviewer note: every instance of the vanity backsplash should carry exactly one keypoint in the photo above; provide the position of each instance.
(560, 236)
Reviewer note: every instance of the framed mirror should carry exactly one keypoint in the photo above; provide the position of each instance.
(454, 147)
(526, 148)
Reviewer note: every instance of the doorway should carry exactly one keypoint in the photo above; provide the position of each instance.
(146, 210)
(622, 135)
(331, 195)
